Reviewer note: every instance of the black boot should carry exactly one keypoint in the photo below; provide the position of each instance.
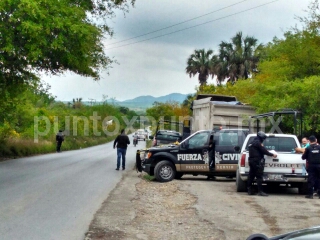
(250, 191)
(263, 194)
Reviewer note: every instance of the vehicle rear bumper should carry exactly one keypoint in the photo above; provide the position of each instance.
(287, 178)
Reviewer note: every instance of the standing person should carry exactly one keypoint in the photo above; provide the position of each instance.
(304, 144)
(312, 155)
(211, 152)
(122, 142)
(256, 162)
(59, 140)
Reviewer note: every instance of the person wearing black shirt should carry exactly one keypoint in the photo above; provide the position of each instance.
(121, 142)
(312, 155)
(59, 140)
(256, 162)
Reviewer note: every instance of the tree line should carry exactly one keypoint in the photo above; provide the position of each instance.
(281, 74)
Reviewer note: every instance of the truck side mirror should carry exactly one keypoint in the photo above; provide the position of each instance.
(150, 137)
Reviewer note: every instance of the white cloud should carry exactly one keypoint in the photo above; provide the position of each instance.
(157, 67)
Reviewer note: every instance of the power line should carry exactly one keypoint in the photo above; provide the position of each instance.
(249, 9)
(189, 20)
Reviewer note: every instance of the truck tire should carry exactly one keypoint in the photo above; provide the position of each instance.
(240, 185)
(178, 175)
(164, 171)
(303, 188)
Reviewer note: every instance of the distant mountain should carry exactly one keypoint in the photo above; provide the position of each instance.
(178, 97)
(141, 99)
(141, 103)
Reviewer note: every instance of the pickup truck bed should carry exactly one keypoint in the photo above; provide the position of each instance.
(288, 168)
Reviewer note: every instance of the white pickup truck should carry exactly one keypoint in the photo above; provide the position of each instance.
(287, 168)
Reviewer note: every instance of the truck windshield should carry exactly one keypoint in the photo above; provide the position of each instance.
(281, 144)
(228, 138)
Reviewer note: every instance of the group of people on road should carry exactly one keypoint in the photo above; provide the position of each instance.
(309, 147)
(310, 150)
(121, 143)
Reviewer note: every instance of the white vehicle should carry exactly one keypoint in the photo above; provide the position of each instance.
(287, 168)
(142, 135)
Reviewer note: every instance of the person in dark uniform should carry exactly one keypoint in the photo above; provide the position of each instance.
(256, 162)
(59, 140)
(211, 152)
(312, 155)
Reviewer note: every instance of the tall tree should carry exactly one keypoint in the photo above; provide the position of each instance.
(49, 36)
(200, 62)
(237, 59)
(54, 37)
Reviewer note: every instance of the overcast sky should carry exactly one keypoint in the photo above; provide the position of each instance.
(157, 66)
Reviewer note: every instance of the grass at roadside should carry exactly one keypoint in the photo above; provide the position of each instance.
(148, 177)
(14, 148)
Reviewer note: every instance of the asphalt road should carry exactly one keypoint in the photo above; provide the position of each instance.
(55, 196)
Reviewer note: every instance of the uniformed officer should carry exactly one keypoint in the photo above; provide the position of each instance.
(312, 155)
(211, 152)
(256, 162)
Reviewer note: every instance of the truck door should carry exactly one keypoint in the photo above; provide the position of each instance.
(193, 154)
(226, 157)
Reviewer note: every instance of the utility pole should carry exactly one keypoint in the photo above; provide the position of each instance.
(91, 100)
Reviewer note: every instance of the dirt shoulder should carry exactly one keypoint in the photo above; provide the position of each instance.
(196, 208)
(139, 209)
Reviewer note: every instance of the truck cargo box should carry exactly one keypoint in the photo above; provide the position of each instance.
(213, 111)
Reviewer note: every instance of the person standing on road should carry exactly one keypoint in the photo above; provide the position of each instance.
(312, 155)
(122, 141)
(211, 152)
(256, 162)
(59, 140)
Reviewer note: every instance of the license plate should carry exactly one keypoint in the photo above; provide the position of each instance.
(275, 177)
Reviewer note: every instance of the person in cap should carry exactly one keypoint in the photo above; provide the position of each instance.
(256, 162)
(312, 155)
(59, 140)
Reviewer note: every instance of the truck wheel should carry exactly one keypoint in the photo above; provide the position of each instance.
(178, 175)
(303, 188)
(240, 185)
(164, 171)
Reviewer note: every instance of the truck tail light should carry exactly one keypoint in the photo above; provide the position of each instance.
(243, 160)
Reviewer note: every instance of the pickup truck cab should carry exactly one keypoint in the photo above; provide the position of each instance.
(191, 156)
(287, 168)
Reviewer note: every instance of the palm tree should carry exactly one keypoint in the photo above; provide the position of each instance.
(200, 62)
(237, 59)
(77, 102)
